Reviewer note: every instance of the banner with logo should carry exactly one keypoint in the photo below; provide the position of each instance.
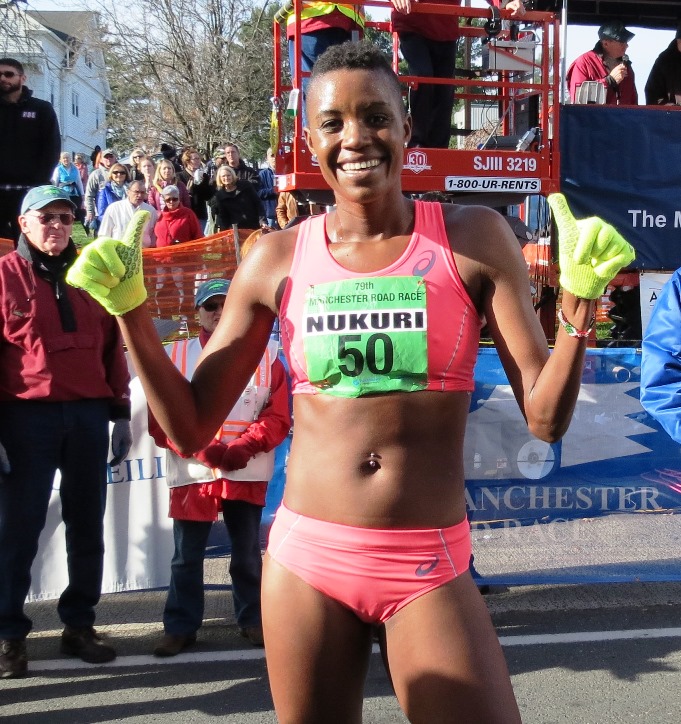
(605, 463)
(607, 495)
(600, 505)
(138, 535)
(624, 164)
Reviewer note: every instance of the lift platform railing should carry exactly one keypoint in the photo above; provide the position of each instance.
(505, 167)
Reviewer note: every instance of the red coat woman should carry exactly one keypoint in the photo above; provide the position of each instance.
(176, 223)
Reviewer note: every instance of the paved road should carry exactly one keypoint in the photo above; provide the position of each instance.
(599, 654)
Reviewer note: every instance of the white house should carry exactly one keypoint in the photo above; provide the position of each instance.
(65, 66)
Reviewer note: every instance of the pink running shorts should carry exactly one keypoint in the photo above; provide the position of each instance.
(373, 572)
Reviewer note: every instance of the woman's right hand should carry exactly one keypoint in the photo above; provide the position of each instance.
(110, 271)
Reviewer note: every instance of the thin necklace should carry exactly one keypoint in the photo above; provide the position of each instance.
(338, 230)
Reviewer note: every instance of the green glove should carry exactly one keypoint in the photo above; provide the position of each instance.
(590, 251)
(110, 271)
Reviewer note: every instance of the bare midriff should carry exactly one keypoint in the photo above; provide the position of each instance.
(383, 461)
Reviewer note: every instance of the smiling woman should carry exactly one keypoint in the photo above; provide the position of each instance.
(380, 303)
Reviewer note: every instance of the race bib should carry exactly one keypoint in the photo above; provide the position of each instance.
(366, 336)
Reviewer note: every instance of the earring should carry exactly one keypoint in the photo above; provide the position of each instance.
(405, 144)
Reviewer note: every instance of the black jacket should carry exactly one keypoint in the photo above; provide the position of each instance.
(247, 173)
(30, 142)
(664, 81)
(241, 207)
(200, 193)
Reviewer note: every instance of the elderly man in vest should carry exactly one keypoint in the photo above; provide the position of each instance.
(231, 475)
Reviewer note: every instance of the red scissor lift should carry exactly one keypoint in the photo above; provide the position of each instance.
(434, 169)
(523, 66)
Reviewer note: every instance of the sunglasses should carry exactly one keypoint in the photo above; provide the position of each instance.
(8, 73)
(212, 306)
(118, 173)
(171, 198)
(137, 158)
(45, 219)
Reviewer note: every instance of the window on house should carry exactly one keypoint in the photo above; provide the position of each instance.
(97, 117)
(88, 59)
(52, 93)
(75, 100)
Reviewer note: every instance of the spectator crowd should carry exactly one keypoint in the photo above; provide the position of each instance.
(188, 195)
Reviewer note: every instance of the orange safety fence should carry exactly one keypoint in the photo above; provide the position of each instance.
(172, 274)
(541, 270)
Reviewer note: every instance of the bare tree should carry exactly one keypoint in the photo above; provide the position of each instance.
(15, 34)
(189, 72)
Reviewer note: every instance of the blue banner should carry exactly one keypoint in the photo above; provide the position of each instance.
(600, 505)
(624, 164)
(614, 457)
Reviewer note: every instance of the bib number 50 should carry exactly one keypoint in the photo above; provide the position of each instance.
(352, 358)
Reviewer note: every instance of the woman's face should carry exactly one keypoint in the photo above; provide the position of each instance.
(147, 168)
(65, 159)
(167, 171)
(194, 161)
(357, 130)
(226, 177)
(118, 174)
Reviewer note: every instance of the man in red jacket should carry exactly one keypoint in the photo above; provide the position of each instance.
(63, 377)
(607, 64)
(230, 475)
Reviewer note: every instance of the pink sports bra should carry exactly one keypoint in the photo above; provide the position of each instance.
(408, 327)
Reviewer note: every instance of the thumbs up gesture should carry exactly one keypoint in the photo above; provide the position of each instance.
(110, 271)
(590, 252)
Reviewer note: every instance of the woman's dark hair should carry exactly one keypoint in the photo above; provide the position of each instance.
(186, 155)
(350, 55)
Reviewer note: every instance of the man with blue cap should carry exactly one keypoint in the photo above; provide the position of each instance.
(607, 64)
(63, 377)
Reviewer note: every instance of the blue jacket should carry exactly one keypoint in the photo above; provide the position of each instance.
(267, 192)
(105, 197)
(661, 359)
